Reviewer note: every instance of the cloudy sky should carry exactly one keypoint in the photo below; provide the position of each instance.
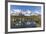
(33, 9)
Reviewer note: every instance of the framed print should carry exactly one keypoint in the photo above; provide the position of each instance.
(25, 16)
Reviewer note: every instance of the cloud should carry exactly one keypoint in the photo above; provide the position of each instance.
(15, 10)
(28, 13)
(11, 11)
(38, 12)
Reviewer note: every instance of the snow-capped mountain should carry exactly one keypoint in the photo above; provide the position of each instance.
(24, 13)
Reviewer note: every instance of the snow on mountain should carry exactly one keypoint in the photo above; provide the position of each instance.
(28, 13)
(15, 12)
(25, 13)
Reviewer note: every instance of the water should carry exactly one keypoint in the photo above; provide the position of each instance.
(27, 24)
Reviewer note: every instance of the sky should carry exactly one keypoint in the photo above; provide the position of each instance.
(34, 9)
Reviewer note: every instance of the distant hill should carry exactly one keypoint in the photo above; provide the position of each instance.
(24, 13)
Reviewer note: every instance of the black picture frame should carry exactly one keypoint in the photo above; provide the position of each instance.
(6, 16)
